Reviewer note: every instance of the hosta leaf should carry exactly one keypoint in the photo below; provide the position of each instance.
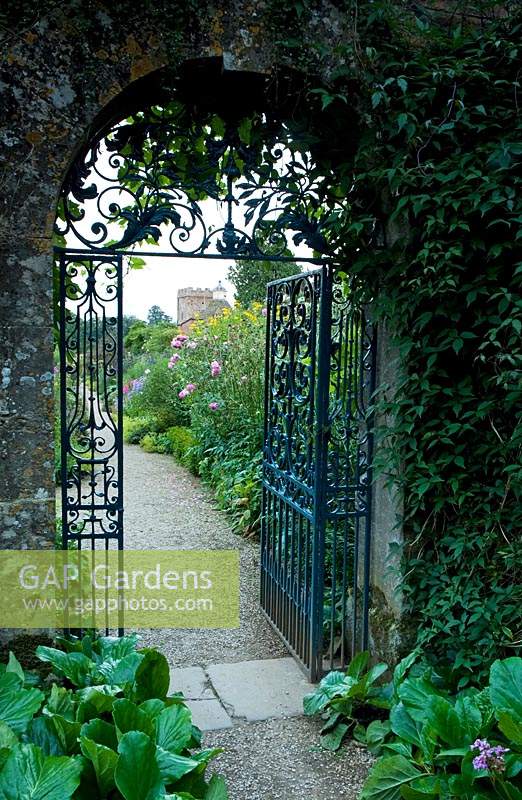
(332, 740)
(404, 726)
(469, 716)
(30, 775)
(14, 666)
(41, 731)
(60, 702)
(414, 693)
(510, 727)
(8, 737)
(174, 728)
(444, 721)
(173, 766)
(506, 686)
(116, 647)
(217, 789)
(100, 732)
(18, 706)
(152, 676)
(74, 666)
(386, 778)
(117, 672)
(137, 774)
(104, 762)
(128, 717)
(331, 685)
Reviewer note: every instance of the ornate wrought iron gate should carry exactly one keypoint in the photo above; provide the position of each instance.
(90, 307)
(316, 524)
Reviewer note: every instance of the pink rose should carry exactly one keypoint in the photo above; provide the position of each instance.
(213, 406)
(183, 394)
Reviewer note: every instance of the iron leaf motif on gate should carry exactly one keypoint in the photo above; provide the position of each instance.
(144, 181)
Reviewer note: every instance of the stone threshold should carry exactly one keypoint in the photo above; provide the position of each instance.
(223, 695)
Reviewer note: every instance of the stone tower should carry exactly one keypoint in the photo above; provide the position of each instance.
(200, 303)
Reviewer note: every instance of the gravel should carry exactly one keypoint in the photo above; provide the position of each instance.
(281, 760)
(167, 508)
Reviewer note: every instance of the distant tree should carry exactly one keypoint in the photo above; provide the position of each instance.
(251, 277)
(128, 321)
(158, 317)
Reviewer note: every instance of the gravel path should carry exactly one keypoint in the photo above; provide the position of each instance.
(167, 508)
(280, 760)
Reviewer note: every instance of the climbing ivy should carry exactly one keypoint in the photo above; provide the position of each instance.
(431, 176)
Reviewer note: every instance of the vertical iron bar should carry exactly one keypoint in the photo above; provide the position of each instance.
(321, 468)
(369, 480)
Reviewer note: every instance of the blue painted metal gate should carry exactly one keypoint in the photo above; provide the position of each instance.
(316, 523)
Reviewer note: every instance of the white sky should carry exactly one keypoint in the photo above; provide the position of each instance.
(158, 282)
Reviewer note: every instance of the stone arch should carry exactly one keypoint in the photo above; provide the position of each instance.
(68, 72)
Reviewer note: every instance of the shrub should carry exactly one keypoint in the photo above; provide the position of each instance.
(182, 444)
(134, 429)
(154, 394)
(155, 443)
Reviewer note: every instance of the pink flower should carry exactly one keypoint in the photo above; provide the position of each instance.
(181, 337)
(126, 389)
(176, 343)
(213, 406)
(192, 345)
(56, 370)
(173, 359)
(264, 312)
(190, 387)
(215, 368)
(183, 394)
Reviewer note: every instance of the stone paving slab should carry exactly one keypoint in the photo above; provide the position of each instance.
(209, 714)
(192, 681)
(272, 688)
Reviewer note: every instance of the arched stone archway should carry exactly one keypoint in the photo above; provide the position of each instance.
(67, 74)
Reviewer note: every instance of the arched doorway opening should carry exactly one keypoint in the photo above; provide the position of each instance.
(142, 187)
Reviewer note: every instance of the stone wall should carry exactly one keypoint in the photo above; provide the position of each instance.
(63, 72)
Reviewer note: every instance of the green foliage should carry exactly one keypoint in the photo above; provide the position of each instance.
(340, 696)
(182, 446)
(250, 277)
(109, 731)
(433, 739)
(431, 233)
(158, 317)
(215, 429)
(427, 743)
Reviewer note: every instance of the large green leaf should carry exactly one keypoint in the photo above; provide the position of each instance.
(104, 761)
(510, 727)
(128, 717)
(444, 721)
(414, 693)
(116, 647)
(404, 725)
(118, 672)
(95, 701)
(333, 684)
(74, 666)
(100, 732)
(8, 737)
(174, 728)
(18, 706)
(60, 701)
(386, 778)
(41, 731)
(470, 717)
(358, 664)
(137, 773)
(173, 766)
(152, 676)
(217, 789)
(30, 775)
(505, 690)
(333, 739)
(14, 666)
